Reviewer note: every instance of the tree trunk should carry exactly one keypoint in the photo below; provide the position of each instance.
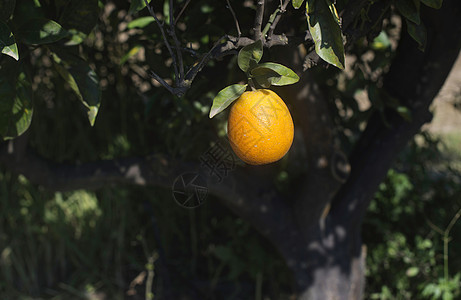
(328, 258)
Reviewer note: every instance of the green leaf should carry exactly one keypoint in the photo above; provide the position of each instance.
(140, 22)
(381, 42)
(75, 37)
(166, 11)
(297, 3)
(405, 113)
(80, 15)
(137, 5)
(275, 74)
(225, 97)
(326, 33)
(82, 80)
(409, 9)
(16, 104)
(250, 55)
(40, 31)
(412, 271)
(334, 12)
(6, 9)
(7, 43)
(133, 51)
(418, 33)
(437, 4)
(265, 77)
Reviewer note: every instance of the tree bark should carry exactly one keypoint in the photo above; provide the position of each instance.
(332, 265)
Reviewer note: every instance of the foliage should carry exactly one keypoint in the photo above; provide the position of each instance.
(35, 29)
(406, 254)
(264, 74)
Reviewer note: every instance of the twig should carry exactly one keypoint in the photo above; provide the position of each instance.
(435, 227)
(172, 33)
(167, 44)
(239, 33)
(162, 82)
(258, 20)
(190, 76)
(150, 275)
(278, 14)
(446, 239)
(182, 10)
(452, 222)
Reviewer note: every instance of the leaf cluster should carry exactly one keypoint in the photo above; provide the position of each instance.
(264, 74)
(27, 28)
(410, 10)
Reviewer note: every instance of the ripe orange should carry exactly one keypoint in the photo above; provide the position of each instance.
(260, 127)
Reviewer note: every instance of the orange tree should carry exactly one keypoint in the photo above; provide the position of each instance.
(150, 64)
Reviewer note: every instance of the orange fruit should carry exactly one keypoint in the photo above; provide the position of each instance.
(260, 127)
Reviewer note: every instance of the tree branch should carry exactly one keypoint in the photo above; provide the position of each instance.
(181, 12)
(248, 196)
(172, 33)
(165, 39)
(277, 15)
(258, 20)
(415, 78)
(239, 33)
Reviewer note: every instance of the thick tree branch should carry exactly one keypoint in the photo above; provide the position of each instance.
(253, 199)
(415, 79)
(319, 182)
(309, 106)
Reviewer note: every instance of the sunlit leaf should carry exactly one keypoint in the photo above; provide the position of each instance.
(140, 22)
(326, 33)
(75, 37)
(225, 97)
(404, 112)
(40, 31)
(133, 51)
(297, 3)
(381, 42)
(16, 104)
(7, 43)
(250, 55)
(166, 11)
(333, 11)
(412, 271)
